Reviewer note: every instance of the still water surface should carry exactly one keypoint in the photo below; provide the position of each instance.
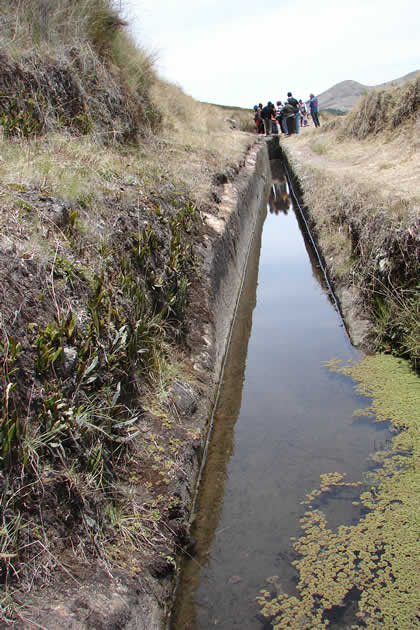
(282, 419)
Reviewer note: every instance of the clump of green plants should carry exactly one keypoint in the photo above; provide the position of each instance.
(181, 257)
(10, 426)
(370, 565)
(92, 366)
(19, 120)
(169, 286)
(397, 322)
(83, 122)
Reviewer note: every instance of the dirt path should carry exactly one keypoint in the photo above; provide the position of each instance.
(391, 166)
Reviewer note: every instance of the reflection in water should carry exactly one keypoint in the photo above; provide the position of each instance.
(281, 189)
(281, 421)
(279, 199)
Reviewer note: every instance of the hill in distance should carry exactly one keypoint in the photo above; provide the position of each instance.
(345, 94)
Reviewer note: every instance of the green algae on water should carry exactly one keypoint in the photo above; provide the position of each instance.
(375, 562)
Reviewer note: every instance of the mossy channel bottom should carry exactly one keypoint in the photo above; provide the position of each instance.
(282, 420)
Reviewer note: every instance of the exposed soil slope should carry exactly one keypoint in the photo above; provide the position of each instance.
(102, 446)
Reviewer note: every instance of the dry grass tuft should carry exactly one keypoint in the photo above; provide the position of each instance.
(59, 24)
(383, 110)
(201, 125)
(196, 137)
(95, 79)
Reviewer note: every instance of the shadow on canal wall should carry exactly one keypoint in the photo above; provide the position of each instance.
(238, 218)
(223, 423)
(228, 246)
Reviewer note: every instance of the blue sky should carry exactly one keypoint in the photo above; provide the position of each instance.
(242, 52)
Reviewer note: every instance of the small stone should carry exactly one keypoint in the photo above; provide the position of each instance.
(184, 398)
(60, 214)
(70, 358)
(235, 579)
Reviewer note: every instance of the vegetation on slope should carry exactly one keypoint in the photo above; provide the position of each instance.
(71, 65)
(388, 271)
(383, 110)
(98, 229)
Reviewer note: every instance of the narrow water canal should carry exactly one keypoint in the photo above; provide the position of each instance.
(282, 419)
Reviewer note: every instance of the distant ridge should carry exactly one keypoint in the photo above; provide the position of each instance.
(345, 94)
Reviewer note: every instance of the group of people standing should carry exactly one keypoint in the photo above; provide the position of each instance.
(285, 117)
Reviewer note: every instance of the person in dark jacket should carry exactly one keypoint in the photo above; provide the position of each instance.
(294, 103)
(267, 113)
(289, 115)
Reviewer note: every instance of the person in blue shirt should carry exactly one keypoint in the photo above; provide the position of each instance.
(313, 105)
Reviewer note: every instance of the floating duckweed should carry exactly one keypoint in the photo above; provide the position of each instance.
(328, 482)
(375, 561)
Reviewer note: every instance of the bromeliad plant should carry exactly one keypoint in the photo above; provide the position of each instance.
(90, 365)
(10, 427)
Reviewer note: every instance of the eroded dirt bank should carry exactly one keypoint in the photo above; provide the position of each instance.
(120, 267)
(358, 323)
(367, 229)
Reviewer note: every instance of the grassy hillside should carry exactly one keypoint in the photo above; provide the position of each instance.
(103, 187)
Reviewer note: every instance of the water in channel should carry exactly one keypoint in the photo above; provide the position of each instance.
(282, 419)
